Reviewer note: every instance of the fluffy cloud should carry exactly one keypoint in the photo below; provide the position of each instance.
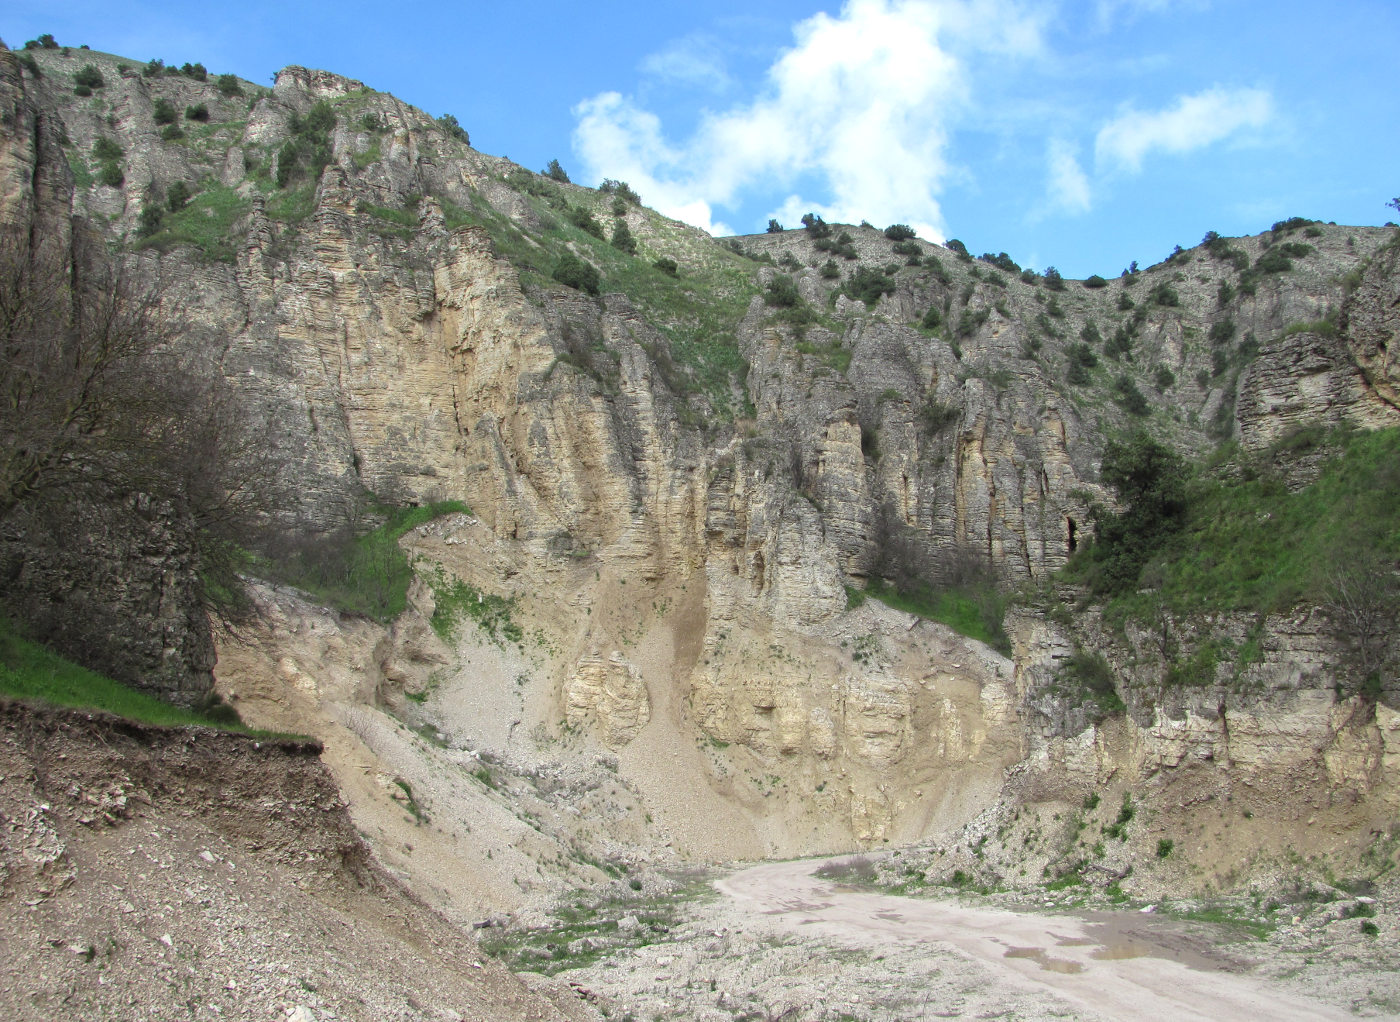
(1067, 189)
(861, 104)
(1194, 122)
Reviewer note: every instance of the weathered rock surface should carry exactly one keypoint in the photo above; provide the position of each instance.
(393, 326)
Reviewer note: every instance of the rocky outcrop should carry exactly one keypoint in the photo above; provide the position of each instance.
(392, 327)
(609, 693)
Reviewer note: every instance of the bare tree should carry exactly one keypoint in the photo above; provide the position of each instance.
(76, 338)
(1363, 604)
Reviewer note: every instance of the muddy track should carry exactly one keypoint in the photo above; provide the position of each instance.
(1110, 966)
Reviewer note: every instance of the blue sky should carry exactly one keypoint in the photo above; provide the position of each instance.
(1083, 135)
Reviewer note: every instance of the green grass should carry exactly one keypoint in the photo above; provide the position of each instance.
(206, 222)
(1248, 544)
(366, 575)
(292, 205)
(974, 613)
(545, 948)
(82, 176)
(30, 672)
(455, 601)
(1237, 921)
(399, 223)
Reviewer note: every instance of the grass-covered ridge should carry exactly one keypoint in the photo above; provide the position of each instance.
(366, 574)
(692, 290)
(31, 673)
(1246, 543)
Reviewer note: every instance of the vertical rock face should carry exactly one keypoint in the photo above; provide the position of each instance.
(112, 582)
(393, 329)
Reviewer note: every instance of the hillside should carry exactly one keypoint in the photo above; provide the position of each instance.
(756, 547)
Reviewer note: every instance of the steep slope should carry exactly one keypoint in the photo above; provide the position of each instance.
(169, 873)
(684, 482)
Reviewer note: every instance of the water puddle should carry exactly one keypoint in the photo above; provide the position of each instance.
(1038, 955)
(1116, 951)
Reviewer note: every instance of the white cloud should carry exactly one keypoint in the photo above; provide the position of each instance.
(1067, 188)
(694, 62)
(1194, 122)
(1108, 10)
(861, 103)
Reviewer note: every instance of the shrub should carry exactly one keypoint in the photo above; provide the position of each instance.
(1081, 359)
(815, 226)
(622, 239)
(164, 111)
(572, 271)
(171, 132)
(970, 322)
(1126, 393)
(1225, 293)
(933, 319)
(1126, 812)
(1089, 676)
(868, 285)
(667, 266)
(957, 247)
(154, 68)
(177, 196)
(1150, 481)
(1164, 379)
(829, 270)
(1273, 261)
(782, 293)
(900, 232)
(555, 172)
(1164, 295)
(196, 71)
(936, 415)
(1125, 302)
(1094, 281)
(197, 112)
(81, 90)
(1029, 276)
(1222, 331)
(45, 41)
(308, 151)
(452, 128)
(111, 175)
(149, 221)
(775, 228)
(1002, 261)
(621, 189)
(89, 76)
(1053, 280)
(228, 85)
(584, 221)
(1120, 345)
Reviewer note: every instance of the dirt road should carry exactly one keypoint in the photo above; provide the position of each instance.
(1114, 967)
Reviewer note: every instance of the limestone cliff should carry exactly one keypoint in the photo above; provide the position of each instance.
(681, 484)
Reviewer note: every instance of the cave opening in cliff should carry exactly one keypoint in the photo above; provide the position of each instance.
(1073, 529)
